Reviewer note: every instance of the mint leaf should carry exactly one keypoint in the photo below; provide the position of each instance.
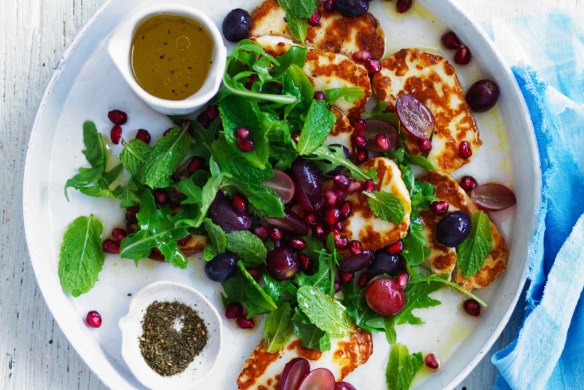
(386, 206)
(247, 246)
(264, 200)
(297, 83)
(331, 157)
(81, 257)
(133, 155)
(217, 236)
(472, 253)
(231, 162)
(278, 328)
(279, 291)
(324, 311)
(299, 8)
(193, 193)
(402, 367)
(129, 194)
(203, 138)
(242, 287)
(348, 94)
(323, 278)
(415, 249)
(310, 335)
(317, 126)
(165, 157)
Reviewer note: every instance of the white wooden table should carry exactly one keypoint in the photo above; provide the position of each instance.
(34, 354)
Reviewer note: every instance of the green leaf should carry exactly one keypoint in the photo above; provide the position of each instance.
(472, 253)
(278, 328)
(357, 309)
(165, 157)
(217, 236)
(323, 278)
(203, 138)
(231, 162)
(297, 83)
(279, 291)
(295, 55)
(311, 336)
(298, 28)
(242, 287)
(133, 155)
(402, 367)
(442, 278)
(349, 95)
(81, 257)
(247, 246)
(298, 8)
(386, 206)
(193, 193)
(264, 200)
(324, 311)
(317, 126)
(331, 157)
(129, 194)
(415, 249)
(420, 161)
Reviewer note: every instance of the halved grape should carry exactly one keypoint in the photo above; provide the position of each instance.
(308, 184)
(282, 185)
(356, 262)
(415, 117)
(319, 379)
(493, 197)
(378, 126)
(294, 371)
(292, 223)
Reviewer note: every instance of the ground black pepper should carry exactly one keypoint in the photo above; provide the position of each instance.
(172, 335)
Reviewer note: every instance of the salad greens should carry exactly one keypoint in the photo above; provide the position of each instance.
(297, 14)
(402, 367)
(473, 251)
(386, 206)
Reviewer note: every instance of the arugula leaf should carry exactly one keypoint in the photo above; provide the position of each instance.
(247, 246)
(348, 94)
(472, 253)
(420, 161)
(324, 311)
(317, 126)
(133, 155)
(94, 181)
(296, 82)
(165, 157)
(415, 249)
(443, 278)
(242, 287)
(129, 194)
(386, 206)
(402, 367)
(357, 309)
(278, 328)
(203, 138)
(309, 334)
(231, 162)
(81, 257)
(217, 237)
(295, 55)
(193, 193)
(330, 157)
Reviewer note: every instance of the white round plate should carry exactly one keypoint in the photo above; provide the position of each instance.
(86, 85)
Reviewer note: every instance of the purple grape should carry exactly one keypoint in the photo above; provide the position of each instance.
(307, 182)
(221, 267)
(236, 25)
(352, 8)
(356, 262)
(292, 223)
(482, 95)
(453, 229)
(283, 263)
(384, 263)
(223, 214)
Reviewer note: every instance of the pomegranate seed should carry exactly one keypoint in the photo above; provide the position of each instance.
(242, 132)
(261, 231)
(360, 127)
(362, 156)
(331, 198)
(355, 247)
(450, 40)
(363, 280)
(239, 203)
(402, 279)
(341, 195)
(431, 361)
(276, 234)
(338, 225)
(244, 145)
(117, 117)
(116, 134)
(110, 246)
(346, 209)
(403, 6)
(233, 310)
(93, 319)
(342, 181)
(425, 145)
(396, 248)
(360, 141)
(337, 286)
(329, 5)
(472, 307)
(382, 141)
(336, 234)
(277, 244)
(462, 56)
(331, 216)
(464, 150)
(131, 214)
(305, 262)
(245, 323)
(297, 243)
(160, 196)
(362, 56)
(296, 136)
(373, 66)
(341, 242)
(439, 207)
(119, 234)
(346, 277)
(314, 19)
(144, 136)
(311, 219)
(468, 183)
(369, 185)
(195, 164)
(204, 119)
(319, 95)
(212, 112)
(356, 185)
(255, 272)
(319, 230)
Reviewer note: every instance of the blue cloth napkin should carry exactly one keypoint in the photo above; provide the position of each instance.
(547, 54)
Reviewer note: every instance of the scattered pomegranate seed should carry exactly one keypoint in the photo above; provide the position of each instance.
(119, 234)
(276, 234)
(117, 117)
(464, 150)
(396, 248)
(116, 134)
(242, 132)
(331, 216)
(314, 19)
(341, 242)
(297, 243)
(93, 319)
(468, 183)
(373, 66)
(337, 286)
(360, 141)
(472, 307)
(244, 145)
(450, 40)
(356, 185)
(319, 95)
(261, 231)
(346, 277)
(363, 280)
(355, 247)
(431, 361)
(369, 185)
(311, 219)
(160, 196)
(362, 155)
(342, 181)
(341, 195)
(212, 112)
(360, 127)
(177, 194)
(233, 310)
(403, 6)
(131, 212)
(239, 203)
(346, 209)
(382, 141)
(245, 323)
(362, 56)
(305, 262)
(439, 207)
(204, 119)
(402, 279)
(425, 145)
(339, 225)
(255, 272)
(110, 246)
(296, 136)
(331, 198)
(462, 56)
(319, 230)
(195, 164)
(329, 5)
(144, 136)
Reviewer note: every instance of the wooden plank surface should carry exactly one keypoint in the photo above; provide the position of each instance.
(34, 354)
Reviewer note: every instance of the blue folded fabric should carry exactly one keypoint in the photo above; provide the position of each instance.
(548, 352)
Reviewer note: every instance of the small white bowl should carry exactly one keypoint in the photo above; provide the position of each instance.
(120, 44)
(131, 327)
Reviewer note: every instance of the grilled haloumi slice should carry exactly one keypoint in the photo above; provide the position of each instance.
(431, 79)
(262, 370)
(362, 225)
(342, 131)
(327, 70)
(443, 259)
(335, 33)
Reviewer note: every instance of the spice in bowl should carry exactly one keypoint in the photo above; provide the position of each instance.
(173, 335)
